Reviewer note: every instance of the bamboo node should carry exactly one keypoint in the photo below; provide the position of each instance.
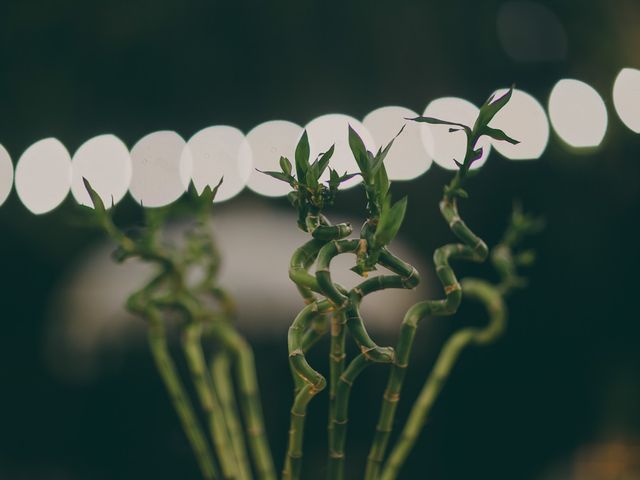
(451, 288)
(392, 398)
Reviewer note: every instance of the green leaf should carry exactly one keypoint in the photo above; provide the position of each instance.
(334, 179)
(98, 205)
(285, 165)
(491, 107)
(390, 221)
(302, 157)
(437, 121)
(348, 176)
(208, 193)
(323, 161)
(381, 155)
(280, 176)
(382, 183)
(359, 152)
(498, 134)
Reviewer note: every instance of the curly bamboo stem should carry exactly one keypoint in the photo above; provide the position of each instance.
(472, 249)
(491, 297)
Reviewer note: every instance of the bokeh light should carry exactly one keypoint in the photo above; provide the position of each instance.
(444, 146)
(160, 169)
(626, 97)
(333, 129)
(220, 151)
(43, 175)
(525, 120)
(577, 113)
(531, 32)
(268, 142)
(106, 163)
(6, 174)
(407, 159)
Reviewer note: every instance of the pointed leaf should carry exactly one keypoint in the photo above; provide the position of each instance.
(285, 165)
(491, 107)
(359, 151)
(379, 159)
(280, 176)
(348, 176)
(390, 222)
(98, 205)
(437, 121)
(302, 157)
(498, 134)
(323, 162)
(334, 179)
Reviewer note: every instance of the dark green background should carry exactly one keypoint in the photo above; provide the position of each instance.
(566, 374)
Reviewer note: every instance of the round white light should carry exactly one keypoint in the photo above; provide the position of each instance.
(333, 129)
(43, 175)
(407, 159)
(626, 97)
(220, 151)
(445, 146)
(106, 163)
(523, 119)
(268, 142)
(577, 113)
(6, 174)
(161, 168)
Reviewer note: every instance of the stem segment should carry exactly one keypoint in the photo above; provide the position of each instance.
(181, 403)
(488, 295)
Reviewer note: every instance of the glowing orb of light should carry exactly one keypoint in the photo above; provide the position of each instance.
(333, 129)
(445, 146)
(577, 113)
(6, 174)
(43, 175)
(104, 161)
(160, 169)
(407, 159)
(626, 97)
(523, 119)
(268, 142)
(220, 151)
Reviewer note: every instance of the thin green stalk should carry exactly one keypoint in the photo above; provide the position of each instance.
(314, 382)
(491, 297)
(210, 402)
(180, 400)
(248, 392)
(472, 249)
(338, 430)
(220, 374)
(407, 277)
(337, 358)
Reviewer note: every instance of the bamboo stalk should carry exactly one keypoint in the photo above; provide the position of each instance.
(220, 375)
(210, 402)
(248, 392)
(473, 249)
(181, 402)
(337, 357)
(314, 382)
(491, 297)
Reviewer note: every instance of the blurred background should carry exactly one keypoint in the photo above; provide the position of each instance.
(556, 398)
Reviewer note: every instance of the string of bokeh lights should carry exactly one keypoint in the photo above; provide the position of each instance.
(159, 167)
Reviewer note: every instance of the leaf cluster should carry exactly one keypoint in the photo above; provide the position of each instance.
(309, 195)
(480, 128)
(384, 218)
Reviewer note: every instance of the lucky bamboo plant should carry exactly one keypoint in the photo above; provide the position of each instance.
(206, 311)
